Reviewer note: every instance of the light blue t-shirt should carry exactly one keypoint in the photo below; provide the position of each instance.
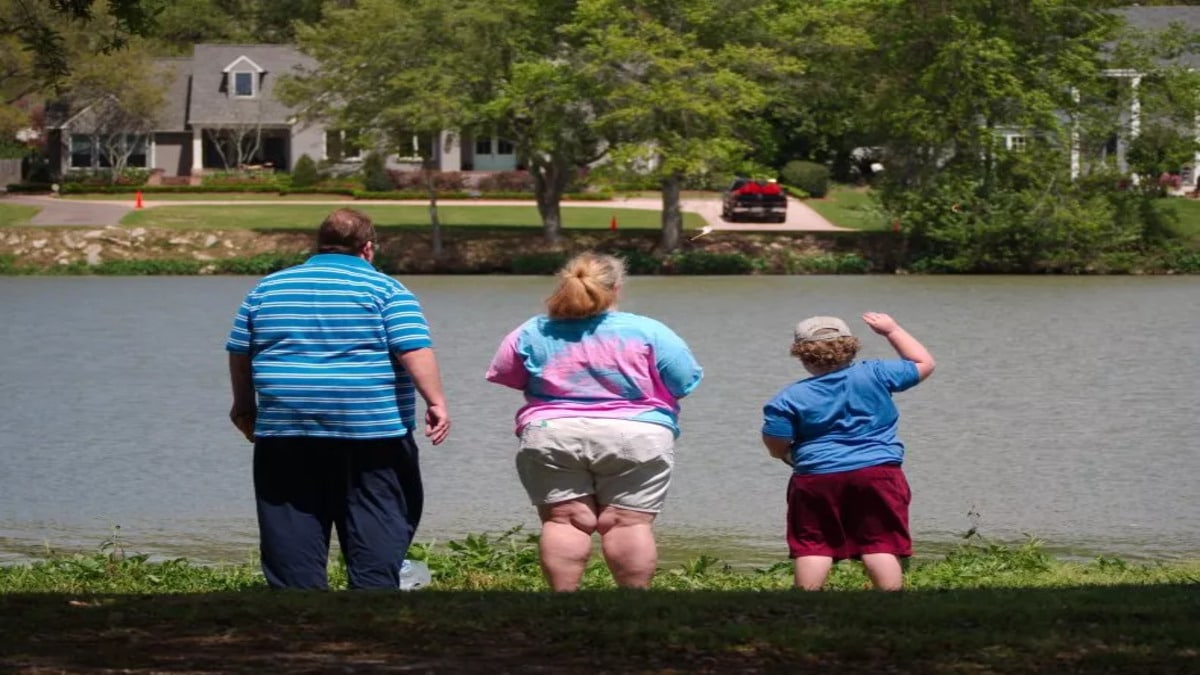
(844, 420)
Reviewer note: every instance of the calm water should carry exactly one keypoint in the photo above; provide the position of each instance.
(1062, 408)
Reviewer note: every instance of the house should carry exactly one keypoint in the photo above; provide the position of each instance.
(220, 112)
(1150, 21)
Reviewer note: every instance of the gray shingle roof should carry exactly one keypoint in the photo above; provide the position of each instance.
(177, 72)
(1152, 20)
(211, 102)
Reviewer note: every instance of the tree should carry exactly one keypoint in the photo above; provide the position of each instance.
(120, 96)
(391, 69)
(44, 28)
(675, 93)
(238, 142)
(533, 93)
(952, 81)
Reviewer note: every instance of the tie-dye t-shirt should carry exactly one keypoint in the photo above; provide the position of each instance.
(613, 365)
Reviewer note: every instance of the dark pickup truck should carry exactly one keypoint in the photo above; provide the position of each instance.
(754, 199)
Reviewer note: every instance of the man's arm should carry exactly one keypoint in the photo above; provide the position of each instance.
(422, 366)
(245, 405)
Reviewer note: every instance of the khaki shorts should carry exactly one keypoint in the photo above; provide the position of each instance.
(621, 463)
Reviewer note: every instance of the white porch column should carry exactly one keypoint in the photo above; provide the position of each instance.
(1196, 155)
(1075, 152)
(1135, 108)
(451, 152)
(197, 151)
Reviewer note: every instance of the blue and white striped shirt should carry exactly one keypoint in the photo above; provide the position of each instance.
(320, 337)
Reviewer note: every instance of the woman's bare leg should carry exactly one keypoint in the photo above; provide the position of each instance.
(566, 542)
(627, 540)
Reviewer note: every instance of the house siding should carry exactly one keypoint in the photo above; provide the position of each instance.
(173, 153)
(308, 140)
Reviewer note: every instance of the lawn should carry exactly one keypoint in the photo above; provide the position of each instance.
(984, 608)
(16, 214)
(1188, 212)
(302, 216)
(208, 197)
(850, 207)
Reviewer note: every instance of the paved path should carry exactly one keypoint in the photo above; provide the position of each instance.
(57, 211)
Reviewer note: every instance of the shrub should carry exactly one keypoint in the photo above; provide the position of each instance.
(375, 174)
(443, 181)
(304, 174)
(28, 187)
(129, 268)
(811, 177)
(548, 262)
(100, 177)
(826, 263)
(264, 177)
(261, 264)
(507, 181)
(703, 262)
(639, 262)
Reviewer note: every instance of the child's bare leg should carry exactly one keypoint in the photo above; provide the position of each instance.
(884, 570)
(812, 571)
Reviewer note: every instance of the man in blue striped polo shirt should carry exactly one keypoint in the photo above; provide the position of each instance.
(326, 359)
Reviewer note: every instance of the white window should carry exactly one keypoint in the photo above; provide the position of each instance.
(243, 84)
(503, 147)
(483, 146)
(1015, 143)
(342, 146)
(90, 152)
(82, 149)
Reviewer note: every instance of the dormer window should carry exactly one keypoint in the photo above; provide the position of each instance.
(243, 84)
(242, 78)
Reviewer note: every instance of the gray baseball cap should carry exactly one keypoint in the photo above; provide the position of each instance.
(820, 328)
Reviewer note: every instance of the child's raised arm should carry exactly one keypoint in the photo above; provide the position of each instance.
(906, 346)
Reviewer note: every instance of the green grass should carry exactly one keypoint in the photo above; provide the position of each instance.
(302, 216)
(982, 609)
(209, 197)
(16, 214)
(850, 207)
(1188, 213)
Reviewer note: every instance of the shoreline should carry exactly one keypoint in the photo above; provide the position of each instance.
(142, 251)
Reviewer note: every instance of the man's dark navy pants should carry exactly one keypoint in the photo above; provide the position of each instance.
(369, 490)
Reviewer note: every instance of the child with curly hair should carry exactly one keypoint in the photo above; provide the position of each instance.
(848, 497)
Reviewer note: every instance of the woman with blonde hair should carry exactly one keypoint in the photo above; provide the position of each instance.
(597, 431)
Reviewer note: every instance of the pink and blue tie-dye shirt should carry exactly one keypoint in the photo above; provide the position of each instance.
(614, 365)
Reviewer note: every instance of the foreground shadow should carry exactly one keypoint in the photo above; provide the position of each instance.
(1144, 629)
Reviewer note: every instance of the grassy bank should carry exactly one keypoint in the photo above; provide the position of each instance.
(981, 609)
(850, 207)
(16, 214)
(409, 215)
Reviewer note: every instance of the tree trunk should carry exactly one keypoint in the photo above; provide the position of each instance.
(672, 213)
(549, 183)
(436, 235)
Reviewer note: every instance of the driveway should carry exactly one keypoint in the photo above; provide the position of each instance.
(57, 211)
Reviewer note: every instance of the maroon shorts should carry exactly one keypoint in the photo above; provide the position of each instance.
(846, 514)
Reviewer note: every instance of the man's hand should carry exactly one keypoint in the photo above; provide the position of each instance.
(243, 419)
(437, 423)
(880, 323)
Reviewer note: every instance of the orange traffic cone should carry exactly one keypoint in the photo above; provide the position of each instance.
(137, 202)
(612, 224)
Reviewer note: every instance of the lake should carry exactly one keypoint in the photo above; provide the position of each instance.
(1062, 408)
